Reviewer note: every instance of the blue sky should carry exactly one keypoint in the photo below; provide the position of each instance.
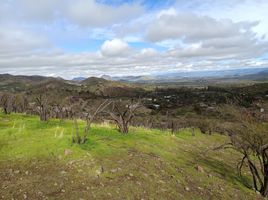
(132, 37)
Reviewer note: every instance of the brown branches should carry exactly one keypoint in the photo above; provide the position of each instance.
(13, 103)
(250, 138)
(123, 115)
(42, 107)
(5, 102)
(89, 119)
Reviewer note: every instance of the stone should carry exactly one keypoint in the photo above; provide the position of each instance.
(187, 188)
(200, 169)
(40, 193)
(113, 170)
(63, 172)
(67, 152)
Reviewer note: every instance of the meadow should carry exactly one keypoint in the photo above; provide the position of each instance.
(39, 161)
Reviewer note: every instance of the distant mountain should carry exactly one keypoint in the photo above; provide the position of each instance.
(213, 73)
(194, 75)
(107, 77)
(121, 84)
(261, 76)
(79, 79)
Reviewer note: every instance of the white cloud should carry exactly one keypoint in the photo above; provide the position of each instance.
(83, 13)
(148, 52)
(47, 10)
(16, 42)
(91, 13)
(193, 35)
(115, 47)
(192, 27)
(238, 10)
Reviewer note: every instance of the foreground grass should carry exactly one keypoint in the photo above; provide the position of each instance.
(38, 161)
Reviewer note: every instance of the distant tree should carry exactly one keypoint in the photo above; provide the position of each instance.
(6, 101)
(42, 107)
(60, 108)
(90, 116)
(123, 114)
(20, 103)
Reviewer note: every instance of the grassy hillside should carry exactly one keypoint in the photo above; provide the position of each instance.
(38, 161)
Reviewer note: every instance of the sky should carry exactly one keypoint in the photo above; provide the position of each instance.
(70, 38)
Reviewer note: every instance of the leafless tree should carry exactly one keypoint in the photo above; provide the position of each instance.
(250, 138)
(20, 103)
(6, 103)
(123, 115)
(42, 107)
(81, 139)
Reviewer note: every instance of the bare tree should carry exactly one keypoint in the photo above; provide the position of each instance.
(20, 103)
(89, 119)
(6, 103)
(42, 107)
(123, 115)
(250, 138)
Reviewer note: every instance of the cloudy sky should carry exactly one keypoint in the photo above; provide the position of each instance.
(70, 38)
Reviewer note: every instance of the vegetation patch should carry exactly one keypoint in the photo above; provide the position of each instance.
(39, 161)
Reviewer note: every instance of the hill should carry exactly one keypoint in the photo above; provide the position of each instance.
(145, 164)
(108, 88)
(21, 83)
(91, 86)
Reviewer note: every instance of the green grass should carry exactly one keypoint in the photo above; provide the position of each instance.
(159, 154)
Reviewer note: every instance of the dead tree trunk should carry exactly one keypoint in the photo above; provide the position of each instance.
(123, 116)
(42, 107)
(251, 140)
(6, 101)
(81, 139)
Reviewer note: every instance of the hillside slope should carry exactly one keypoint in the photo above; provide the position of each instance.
(21, 83)
(107, 88)
(38, 161)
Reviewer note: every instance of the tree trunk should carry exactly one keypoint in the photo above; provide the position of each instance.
(193, 131)
(5, 111)
(43, 114)
(77, 138)
(125, 129)
(264, 191)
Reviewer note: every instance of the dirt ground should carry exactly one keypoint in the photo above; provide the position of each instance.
(150, 178)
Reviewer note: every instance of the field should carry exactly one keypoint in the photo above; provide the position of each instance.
(38, 161)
